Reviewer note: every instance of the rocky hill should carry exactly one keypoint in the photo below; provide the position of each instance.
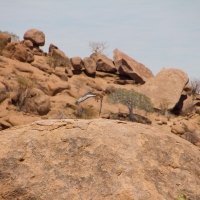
(37, 85)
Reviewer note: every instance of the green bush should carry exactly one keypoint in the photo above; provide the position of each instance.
(183, 197)
(131, 99)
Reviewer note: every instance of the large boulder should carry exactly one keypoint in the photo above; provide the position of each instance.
(38, 103)
(77, 63)
(127, 66)
(56, 87)
(18, 51)
(103, 63)
(90, 66)
(96, 159)
(36, 36)
(52, 47)
(28, 44)
(167, 86)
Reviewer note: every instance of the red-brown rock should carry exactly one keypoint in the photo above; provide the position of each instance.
(68, 71)
(39, 103)
(51, 47)
(60, 57)
(3, 94)
(41, 63)
(77, 63)
(56, 87)
(90, 66)
(103, 63)
(127, 66)
(5, 38)
(28, 43)
(36, 36)
(167, 85)
(17, 51)
(37, 51)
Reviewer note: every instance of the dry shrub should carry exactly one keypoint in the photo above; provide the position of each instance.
(110, 89)
(97, 47)
(86, 112)
(23, 90)
(78, 85)
(56, 60)
(195, 83)
(192, 137)
(164, 105)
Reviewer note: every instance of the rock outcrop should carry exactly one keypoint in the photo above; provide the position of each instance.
(5, 38)
(127, 66)
(36, 36)
(77, 63)
(87, 159)
(18, 51)
(40, 62)
(103, 63)
(59, 57)
(90, 66)
(167, 85)
(38, 103)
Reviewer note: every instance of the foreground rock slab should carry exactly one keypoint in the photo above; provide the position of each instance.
(86, 159)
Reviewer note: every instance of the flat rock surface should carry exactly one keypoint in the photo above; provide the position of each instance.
(87, 159)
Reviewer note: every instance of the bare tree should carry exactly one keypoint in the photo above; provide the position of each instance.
(97, 47)
(195, 83)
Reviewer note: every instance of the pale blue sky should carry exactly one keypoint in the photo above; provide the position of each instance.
(158, 33)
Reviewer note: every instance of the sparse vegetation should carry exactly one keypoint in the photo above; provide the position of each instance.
(86, 112)
(23, 91)
(164, 105)
(110, 89)
(192, 137)
(195, 83)
(14, 37)
(131, 99)
(97, 47)
(182, 197)
(53, 61)
(78, 84)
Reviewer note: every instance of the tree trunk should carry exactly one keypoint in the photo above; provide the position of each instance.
(131, 114)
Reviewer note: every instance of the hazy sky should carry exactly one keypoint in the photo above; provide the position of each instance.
(157, 33)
